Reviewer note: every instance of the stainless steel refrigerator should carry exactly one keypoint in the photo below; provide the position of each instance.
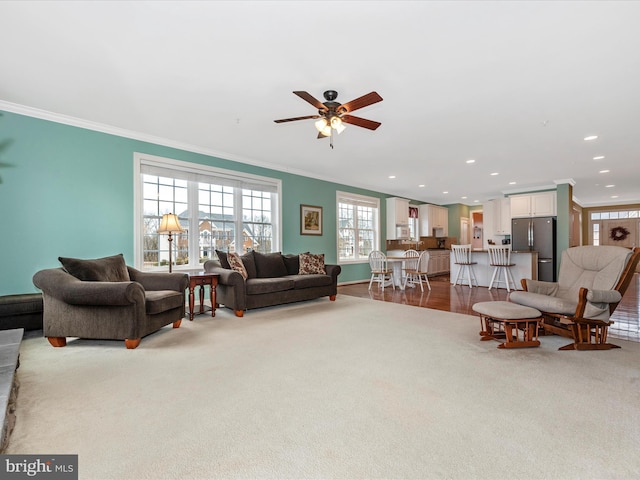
(537, 234)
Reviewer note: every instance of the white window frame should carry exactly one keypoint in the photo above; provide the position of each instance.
(140, 159)
(356, 199)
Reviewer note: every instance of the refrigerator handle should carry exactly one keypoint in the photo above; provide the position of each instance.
(530, 233)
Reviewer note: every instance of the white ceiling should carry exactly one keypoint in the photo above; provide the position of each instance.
(514, 85)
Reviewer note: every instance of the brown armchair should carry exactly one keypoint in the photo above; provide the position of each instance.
(591, 283)
(106, 299)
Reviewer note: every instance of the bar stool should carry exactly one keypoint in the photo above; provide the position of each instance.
(462, 258)
(500, 260)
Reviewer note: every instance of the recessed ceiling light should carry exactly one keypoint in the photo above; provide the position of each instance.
(591, 137)
(464, 198)
(600, 157)
(494, 174)
(614, 196)
(392, 176)
(512, 183)
(471, 161)
(604, 171)
(445, 192)
(609, 186)
(476, 201)
(421, 186)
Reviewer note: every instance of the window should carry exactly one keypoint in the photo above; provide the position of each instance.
(218, 209)
(358, 227)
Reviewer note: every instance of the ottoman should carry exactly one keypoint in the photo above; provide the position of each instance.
(516, 324)
(21, 311)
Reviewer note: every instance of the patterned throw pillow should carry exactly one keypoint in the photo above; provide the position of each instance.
(235, 262)
(311, 263)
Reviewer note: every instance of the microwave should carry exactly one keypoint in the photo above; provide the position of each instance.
(402, 232)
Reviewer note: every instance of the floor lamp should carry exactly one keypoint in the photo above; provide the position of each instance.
(168, 225)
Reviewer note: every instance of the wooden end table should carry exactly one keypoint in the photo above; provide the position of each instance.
(202, 279)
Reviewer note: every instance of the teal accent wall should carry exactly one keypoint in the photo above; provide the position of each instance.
(68, 191)
(564, 199)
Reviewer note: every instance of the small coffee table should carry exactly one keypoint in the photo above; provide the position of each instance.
(202, 279)
(505, 320)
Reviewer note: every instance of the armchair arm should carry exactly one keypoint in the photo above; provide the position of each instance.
(603, 296)
(66, 288)
(540, 286)
(160, 280)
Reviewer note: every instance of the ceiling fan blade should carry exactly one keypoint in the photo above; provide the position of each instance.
(307, 97)
(293, 119)
(363, 101)
(360, 122)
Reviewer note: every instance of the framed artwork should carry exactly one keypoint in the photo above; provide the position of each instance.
(310, 220)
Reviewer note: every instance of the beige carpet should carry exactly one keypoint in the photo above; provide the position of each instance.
(348, 389)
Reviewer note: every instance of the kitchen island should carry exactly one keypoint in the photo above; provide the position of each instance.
(526, 266)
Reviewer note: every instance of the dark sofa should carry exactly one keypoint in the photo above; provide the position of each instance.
(272, 279)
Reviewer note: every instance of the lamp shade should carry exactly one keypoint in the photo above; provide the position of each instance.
(170, 224)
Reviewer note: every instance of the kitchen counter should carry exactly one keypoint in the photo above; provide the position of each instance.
(526, 266)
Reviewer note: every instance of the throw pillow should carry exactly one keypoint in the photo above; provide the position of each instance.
(107, 269)
(269, 265)
(311, 263)
(249, 264)
(236, 264)
(292, 263)
(222, 256)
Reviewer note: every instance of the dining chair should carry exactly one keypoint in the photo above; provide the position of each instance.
(410, 262)
(462, 258)
(416, 274)
(381, 272)
(500, 260)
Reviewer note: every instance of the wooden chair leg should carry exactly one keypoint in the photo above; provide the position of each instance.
(58, 341)
(131, 344)
(177, 323)
(239, 313)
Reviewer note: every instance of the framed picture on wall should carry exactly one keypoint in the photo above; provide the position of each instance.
(310, 220)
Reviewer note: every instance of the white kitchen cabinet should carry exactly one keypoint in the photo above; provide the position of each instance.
(501, 216)
(439, 262)
(541, 204)
(397, 214)
(433, 216)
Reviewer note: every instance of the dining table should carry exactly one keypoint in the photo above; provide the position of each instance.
(397, 264)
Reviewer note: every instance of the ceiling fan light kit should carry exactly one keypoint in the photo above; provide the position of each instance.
(333, 115)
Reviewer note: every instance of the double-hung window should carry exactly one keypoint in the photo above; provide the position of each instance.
(218, 210)
(358, 227)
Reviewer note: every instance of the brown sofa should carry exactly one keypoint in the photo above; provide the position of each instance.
(272, 279)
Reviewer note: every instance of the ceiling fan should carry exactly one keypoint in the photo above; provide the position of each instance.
(332, 115)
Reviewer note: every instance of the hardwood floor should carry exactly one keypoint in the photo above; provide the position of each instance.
(460, 299)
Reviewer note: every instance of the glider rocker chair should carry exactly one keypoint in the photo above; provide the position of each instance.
(591, 283)
(105, 299)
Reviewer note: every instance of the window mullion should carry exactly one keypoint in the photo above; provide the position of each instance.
(194, 225)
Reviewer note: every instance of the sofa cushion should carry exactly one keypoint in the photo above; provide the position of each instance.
(256, 286)
(311, 263)
(310, 280)
(222, 257)
(158, 301)
(106, 269)
(236, 264)
(269, 265)
(292, 262)
(249, 263)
